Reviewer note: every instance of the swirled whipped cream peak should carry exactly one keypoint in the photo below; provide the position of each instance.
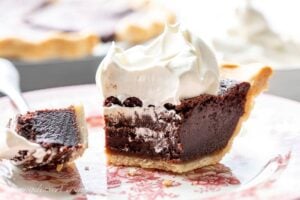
(174, 66)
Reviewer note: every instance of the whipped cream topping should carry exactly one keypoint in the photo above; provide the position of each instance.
(11, 143)
(174, 66)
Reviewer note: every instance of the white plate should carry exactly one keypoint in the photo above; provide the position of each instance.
(263, 163)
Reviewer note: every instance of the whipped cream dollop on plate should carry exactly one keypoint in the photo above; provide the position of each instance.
(174, 66)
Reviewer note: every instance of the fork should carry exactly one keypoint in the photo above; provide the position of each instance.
(10, 85)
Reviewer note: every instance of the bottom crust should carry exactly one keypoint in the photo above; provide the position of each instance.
(123, 160)
(257, 76)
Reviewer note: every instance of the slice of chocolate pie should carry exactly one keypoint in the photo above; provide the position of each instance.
(47, 138)
(169, 106)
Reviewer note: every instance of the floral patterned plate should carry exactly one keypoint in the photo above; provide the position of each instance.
(263, 163)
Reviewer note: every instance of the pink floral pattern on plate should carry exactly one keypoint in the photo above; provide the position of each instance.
(138, 183)
(262, 164)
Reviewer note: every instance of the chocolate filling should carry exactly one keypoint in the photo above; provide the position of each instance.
(49, 127)
(197, 127)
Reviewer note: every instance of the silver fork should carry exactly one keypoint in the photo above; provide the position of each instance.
(10, 85)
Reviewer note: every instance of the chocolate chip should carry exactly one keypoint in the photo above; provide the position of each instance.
(73, 192)
(151, 106)
(133, 102)
(109, 101)
(169, 106)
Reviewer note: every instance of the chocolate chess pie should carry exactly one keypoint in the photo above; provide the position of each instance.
(170, 106)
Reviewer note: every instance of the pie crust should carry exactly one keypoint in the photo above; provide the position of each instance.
(59, 45)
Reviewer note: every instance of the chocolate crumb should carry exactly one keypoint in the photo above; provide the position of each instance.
(73, 192)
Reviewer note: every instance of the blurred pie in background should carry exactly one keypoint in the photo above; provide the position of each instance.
(45, 29)
(253, 39)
